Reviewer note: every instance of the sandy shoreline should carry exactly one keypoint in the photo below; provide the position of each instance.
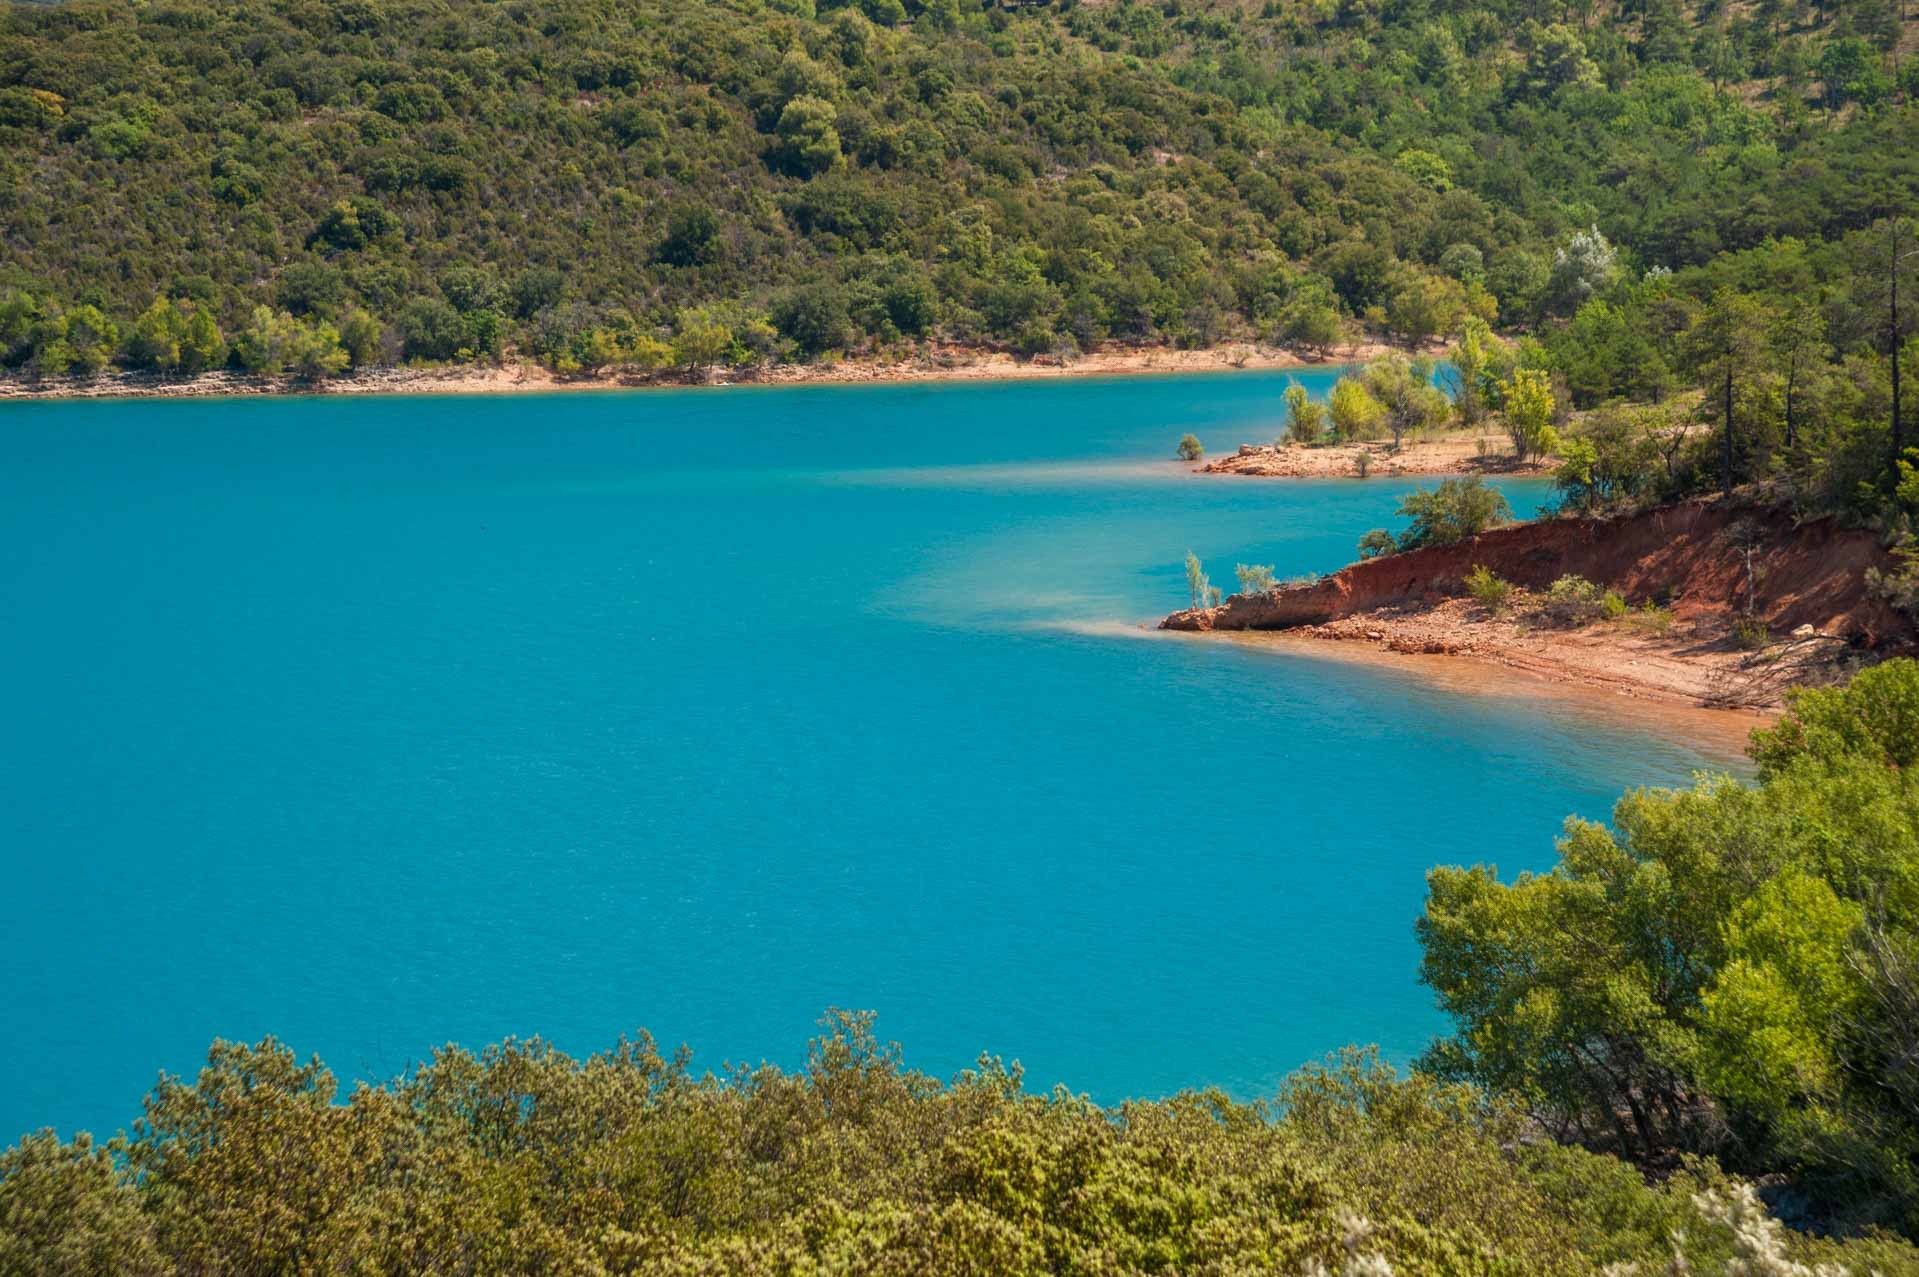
(945, 363)
(1720, 733)
(1690, 681)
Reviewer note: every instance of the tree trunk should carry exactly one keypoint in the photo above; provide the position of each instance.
(1792, 379)
(1898, 426)
(1726, 467)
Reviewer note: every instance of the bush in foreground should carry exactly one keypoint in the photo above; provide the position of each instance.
(523, 1160)
(1729, 969)
(1489, 590)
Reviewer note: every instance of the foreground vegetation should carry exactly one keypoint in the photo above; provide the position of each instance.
(524, 1161)
(1729, 969)
(1725, 977)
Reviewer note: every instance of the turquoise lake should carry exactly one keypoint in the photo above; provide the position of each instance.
(378, 723)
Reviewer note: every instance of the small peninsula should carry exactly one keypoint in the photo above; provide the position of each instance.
(1705, 602)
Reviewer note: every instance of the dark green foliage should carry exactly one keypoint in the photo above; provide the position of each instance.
(1451, 511)
(1377, 543)
(813, 318)
(1038, 175)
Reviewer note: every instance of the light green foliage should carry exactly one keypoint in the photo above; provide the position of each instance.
(1528, 402)
(1425, 305)
(1724, 954)
(810, 140)
(521, 1159)
(1190, 448)
(699, 341)
(175, 335)
(1305, 417)
(1649, 618)
(1609, 460)
(1784, 997)
(1573, 600)
(361, 336)
(1454, 510)
(1472, 358)
(1404, 389)
(1311, 319)
(1255, 578)
(1489, 590)
(1875, 717)
(273, 344)
(1751, 634)
(1355, 413)
(1198, 585)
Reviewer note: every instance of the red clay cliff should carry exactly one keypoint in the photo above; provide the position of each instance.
(1808, 574)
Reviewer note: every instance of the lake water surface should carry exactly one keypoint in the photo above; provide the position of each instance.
(379, 723)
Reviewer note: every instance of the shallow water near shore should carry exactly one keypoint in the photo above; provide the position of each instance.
(380, 723)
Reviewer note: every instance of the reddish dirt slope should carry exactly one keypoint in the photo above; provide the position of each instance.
(1812, 573)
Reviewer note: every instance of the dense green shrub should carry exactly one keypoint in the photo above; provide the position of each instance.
(1730, 969)
(1454, 510)
(524, 1160)
(1376, 543)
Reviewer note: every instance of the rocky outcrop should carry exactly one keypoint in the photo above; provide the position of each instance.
(1811, 573)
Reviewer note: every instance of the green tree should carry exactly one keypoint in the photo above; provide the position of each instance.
(1355, 413)
(1404, 387)
(1528, 400)
(154, 339)
(809, 138)
(1305, 417)
(814, 318)
(1198, 587)
(362, 338)
(1311, 322)
(1468, 359)
(1424, 306)
(1798, 346)
(700, 341)
(1727, 348)
(1377, 543)
(88, 339)
(1584, 268)
(1726, 957)
(1255, 578)
(202, 345)
(275, 343)
(1454, 510)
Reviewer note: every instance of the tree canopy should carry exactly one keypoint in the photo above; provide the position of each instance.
(643, 183)
(1729, 969)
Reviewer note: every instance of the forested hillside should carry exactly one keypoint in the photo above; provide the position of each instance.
(304, 184)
